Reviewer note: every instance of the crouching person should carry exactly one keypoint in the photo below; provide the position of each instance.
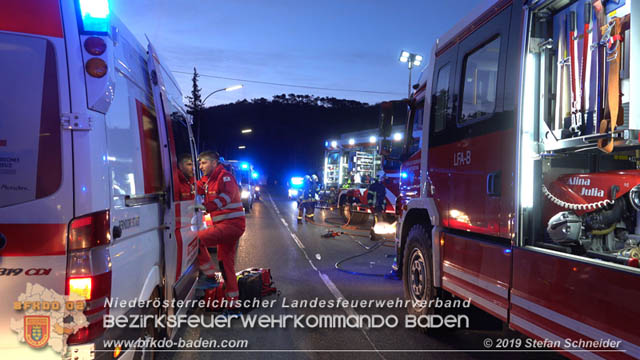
(223, 203)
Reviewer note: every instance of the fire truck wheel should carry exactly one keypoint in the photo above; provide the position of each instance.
(417, 273)
(150, 332)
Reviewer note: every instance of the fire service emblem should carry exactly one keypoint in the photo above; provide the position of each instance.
(36, 330)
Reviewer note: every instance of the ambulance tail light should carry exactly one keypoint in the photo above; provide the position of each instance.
(89, 231)
(89, 271)
(96, 67)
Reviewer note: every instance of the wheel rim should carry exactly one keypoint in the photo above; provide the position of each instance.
(417, 277)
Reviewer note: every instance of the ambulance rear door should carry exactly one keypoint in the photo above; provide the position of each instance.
(181, 219)
(36, 195)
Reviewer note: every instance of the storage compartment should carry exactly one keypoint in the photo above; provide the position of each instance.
(579, 157)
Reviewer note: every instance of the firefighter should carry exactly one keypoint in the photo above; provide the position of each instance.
(185, 177)
(305, 200)
(376, 200)
(223, 203)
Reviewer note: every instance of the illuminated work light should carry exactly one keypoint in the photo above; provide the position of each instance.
(94, 15)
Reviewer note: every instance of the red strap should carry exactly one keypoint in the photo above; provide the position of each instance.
(613, 39)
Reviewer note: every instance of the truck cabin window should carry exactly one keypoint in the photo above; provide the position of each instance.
(480, 82)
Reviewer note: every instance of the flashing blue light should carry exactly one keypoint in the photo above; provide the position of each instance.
(95, 15)
(244, 166)
(507, 251)
(297, 181)
(254, 175)
(326, 144)
(404, 175)
(84, 188)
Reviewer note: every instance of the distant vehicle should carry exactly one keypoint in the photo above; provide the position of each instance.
(295, 186)
(353, 161)
(243, 172)
(97, 175)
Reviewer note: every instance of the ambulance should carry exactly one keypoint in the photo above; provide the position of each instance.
(97, 205)
(526, 189)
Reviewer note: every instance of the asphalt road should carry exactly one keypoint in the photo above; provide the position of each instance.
(303, 267)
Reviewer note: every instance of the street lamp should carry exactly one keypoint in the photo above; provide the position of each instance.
(246, 131)
(242, 147)
(230, 88)
(412, 60)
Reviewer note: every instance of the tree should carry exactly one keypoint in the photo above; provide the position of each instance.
(195, 106)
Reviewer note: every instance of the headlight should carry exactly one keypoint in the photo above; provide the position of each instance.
(257, 188)
(244, 194)
(293, 192)
(634, 196)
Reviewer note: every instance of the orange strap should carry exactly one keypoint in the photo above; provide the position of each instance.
(614, 97)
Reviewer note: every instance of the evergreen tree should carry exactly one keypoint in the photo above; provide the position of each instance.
(195, 104)
(195, 107)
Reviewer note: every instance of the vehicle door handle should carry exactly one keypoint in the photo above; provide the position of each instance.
(493, 184)
(116, 232)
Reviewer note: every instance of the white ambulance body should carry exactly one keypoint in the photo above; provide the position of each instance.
(92, 191)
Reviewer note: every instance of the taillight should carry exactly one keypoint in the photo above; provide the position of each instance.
(89, 271)
(95, 45)
(89, 231)
(96, 67)
(81, 286)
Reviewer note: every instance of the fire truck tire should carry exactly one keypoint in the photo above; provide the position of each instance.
(150, 332)
(417, 274)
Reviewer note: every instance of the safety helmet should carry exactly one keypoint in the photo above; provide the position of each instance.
(314, 177)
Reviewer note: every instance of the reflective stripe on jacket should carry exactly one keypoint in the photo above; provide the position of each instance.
(221, 195)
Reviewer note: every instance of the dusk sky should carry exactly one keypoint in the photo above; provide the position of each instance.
(336, 44)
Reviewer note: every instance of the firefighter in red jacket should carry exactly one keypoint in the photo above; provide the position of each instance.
(223, 203)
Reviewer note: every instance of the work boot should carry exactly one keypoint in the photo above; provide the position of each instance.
(299, 220)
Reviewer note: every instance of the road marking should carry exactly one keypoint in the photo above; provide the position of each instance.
(324, 277)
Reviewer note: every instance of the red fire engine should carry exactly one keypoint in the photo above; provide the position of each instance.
(352, 162)
(525, 194)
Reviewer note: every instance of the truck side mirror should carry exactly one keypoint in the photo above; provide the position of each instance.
(386, 121)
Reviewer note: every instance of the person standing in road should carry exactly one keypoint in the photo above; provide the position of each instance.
(305, 200)
(223, 203)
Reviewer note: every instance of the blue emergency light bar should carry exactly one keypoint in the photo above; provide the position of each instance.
(244, 166)
(254, 175)
(404, 175)
(94, 16)
(297, 180)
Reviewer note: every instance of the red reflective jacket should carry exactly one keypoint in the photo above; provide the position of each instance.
(221, 195)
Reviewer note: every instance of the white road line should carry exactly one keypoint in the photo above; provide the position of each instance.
(325, 279)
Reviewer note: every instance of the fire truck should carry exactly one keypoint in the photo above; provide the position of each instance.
(528, 195)
(352, 162)
(97, 197)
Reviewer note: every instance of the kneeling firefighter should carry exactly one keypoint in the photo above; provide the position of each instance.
(223, 203)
